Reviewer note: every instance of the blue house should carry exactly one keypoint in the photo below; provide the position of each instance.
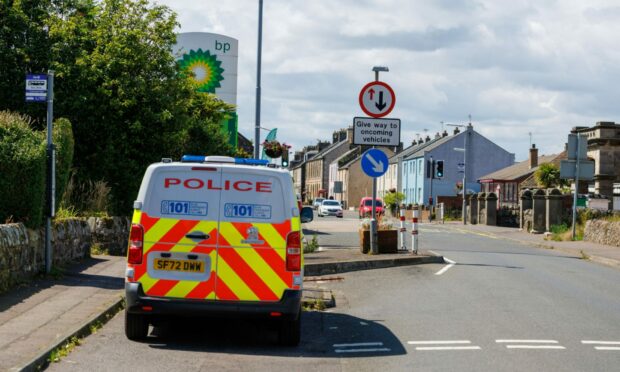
(481, 156)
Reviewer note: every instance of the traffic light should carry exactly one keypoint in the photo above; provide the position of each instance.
(439, 169)
(284, 159)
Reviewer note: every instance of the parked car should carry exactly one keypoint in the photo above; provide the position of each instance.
(330, 208)
(365, 207)
(317, 203)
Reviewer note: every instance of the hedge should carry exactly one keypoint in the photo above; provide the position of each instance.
(63, 141)
(22, 171)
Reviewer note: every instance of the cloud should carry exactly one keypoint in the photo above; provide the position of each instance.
(522, 67)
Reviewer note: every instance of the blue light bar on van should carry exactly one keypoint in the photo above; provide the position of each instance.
(193, 158)
(251, 161)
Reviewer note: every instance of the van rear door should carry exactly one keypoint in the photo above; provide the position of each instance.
(180, 220)
(255, 219)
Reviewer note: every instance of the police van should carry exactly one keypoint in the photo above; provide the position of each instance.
(215, 236)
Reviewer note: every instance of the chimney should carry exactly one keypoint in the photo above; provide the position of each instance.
(437, 135)
(456, 131)
(533, 156)
(445, 133)
(427, 139)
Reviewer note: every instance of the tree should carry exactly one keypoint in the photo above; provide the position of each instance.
(548, 175)
(393, 199)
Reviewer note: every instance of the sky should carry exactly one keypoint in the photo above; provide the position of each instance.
(524, 70)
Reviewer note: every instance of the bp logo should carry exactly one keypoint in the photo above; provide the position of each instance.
(205, 67)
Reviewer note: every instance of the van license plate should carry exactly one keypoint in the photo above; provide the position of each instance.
(189, 266)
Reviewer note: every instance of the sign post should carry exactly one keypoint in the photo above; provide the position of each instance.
(578, 166)
(375, 164)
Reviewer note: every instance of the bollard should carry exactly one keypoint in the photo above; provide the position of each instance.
(402, 230)
(414, 230)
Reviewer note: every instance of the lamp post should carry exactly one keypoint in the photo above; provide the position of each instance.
(373, 220)
(258, 72)
(464, 151)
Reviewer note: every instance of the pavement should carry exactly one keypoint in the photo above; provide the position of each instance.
(42, 315)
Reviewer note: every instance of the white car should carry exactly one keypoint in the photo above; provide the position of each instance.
(317, 203)
(330, 208)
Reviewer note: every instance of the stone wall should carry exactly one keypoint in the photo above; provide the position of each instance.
(22, 250)
(602, 232)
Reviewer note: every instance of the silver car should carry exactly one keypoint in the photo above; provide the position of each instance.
(330, 208)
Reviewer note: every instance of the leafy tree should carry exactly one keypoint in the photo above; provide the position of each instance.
(548, 175)
(393, 199)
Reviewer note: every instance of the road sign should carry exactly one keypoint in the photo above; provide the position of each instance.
(572, 151)
(377, 99)
(374, 162)
(376, 132)
(36, 88)
(586, 169)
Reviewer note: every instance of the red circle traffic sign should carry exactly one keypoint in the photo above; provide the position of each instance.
(377, 99)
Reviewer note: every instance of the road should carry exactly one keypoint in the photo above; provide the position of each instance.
(502, 306)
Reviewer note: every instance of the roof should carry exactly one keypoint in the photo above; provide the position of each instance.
(328, 149)
(345, 156)
(347, 165)
(518, 171)
(414, 148)
(430, 145)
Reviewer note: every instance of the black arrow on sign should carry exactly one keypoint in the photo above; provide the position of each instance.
(380, 105)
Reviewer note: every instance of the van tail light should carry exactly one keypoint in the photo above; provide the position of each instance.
(293, 251)
(136, 243)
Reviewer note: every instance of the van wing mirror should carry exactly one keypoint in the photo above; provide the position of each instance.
(307, 214)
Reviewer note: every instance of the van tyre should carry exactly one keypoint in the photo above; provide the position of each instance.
(289, 332)
(136, 326)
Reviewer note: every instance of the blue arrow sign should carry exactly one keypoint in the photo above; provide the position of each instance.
(374, 162)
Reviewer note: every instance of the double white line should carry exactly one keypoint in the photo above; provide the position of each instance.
(616, 343)
(527, 344)
(447, 345)
(360, 347)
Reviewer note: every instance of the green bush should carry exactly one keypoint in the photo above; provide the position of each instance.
(22, 170)
(63, 141)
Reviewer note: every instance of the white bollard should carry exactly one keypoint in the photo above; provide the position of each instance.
(402, 230)
(414, 230)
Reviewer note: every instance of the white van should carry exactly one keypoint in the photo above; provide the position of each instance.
(215, 236)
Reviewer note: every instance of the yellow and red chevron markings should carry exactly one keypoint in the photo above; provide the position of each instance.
(240, 271)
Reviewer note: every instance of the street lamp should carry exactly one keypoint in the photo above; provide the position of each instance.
(464, 151)
(257, 127)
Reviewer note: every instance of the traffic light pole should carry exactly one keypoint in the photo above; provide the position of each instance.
(430, 199)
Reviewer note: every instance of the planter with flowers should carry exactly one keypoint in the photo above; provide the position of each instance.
(387, 236)
(274, 149)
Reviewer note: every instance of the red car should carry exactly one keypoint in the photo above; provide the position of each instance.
(365, 208)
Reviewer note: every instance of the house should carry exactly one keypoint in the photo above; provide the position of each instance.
(317, 168)
(356, 184)
(604, 148)
(508, 182)
(482, 157)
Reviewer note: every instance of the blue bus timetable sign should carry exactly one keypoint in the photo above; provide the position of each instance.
(36, 88)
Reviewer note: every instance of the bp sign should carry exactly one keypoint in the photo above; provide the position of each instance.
(212, 60)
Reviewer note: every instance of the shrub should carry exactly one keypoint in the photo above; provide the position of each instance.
(22, 170)
(63, 141)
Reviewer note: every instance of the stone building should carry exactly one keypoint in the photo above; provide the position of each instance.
(604, 148)
(317, 168)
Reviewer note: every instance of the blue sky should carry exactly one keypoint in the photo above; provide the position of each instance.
(517, 67)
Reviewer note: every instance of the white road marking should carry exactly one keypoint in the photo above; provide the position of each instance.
(438, 342)
(333, 327)
(588, 342)
(361, 350)
(447, 267)
(527, 341)
(617, 348)
(435, 348)
(360, 344)
(535, 347)
(363, 323)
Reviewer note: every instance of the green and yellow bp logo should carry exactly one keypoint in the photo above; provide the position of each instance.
(205, 69)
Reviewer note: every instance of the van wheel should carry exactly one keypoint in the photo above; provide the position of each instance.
(136, 326)
(289, 332)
